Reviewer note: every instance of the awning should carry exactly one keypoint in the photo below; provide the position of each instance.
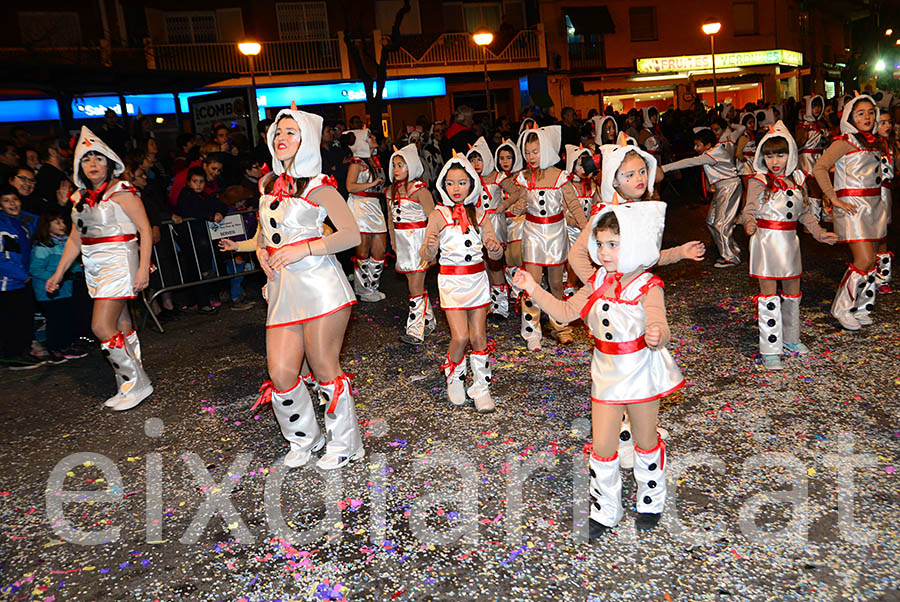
(589, 20)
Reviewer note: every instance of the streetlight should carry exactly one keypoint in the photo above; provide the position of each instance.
(482, 38)
(888, 32)
(879, 66)
(711, 27)
(250, 50)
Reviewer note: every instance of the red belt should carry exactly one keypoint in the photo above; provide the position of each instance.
(462, 270)
(371, 195)
(409, 225)
(271, 250)
(102, 239)
(769, 224)
(858, 192)
(534, 219)
(613, 348)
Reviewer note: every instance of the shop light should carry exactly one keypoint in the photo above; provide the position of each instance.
(879, 66)
(249, 48)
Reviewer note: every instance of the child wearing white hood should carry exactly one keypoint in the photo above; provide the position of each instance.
(492, 201)
(508, 160)
(409, 205)
(891, 146)
(812, 135)
(310, 300)
(776, 201)
(859, 215)
(545, 241)
(458, 229)
(365, 185)
(111, 232)
(622, 306)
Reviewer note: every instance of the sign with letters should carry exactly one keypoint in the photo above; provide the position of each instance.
(703, 62)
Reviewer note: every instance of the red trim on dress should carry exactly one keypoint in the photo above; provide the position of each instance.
(645, 400)
(303, 321)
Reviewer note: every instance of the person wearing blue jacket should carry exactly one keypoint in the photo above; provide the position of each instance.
(16, 299)
(58, 307)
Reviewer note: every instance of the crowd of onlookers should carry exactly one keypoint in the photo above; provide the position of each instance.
(203, 177)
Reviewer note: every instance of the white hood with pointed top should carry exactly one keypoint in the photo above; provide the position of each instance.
(846, 126)
(779, 131)
(360, 147)
(613, 156)
(549, 138)
(572, 153)
(474, 194)
(481, 147)
(308, 160)
(90, 142)
(410, 155)
(599, 122)
(640, 234)
(517, 156)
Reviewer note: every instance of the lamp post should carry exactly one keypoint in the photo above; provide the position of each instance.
(483, 38)
(250, 50)
(711, 27)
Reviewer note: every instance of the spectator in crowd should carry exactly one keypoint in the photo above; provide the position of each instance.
(155, 170)
(20, 137)
(355, 123)
(52, 170)
(252, 169)
(571, 134)
(113, 134)
(28, 156)
(178, 183)
(332, 156)
(228, 155)
(184, 142)
(460, 135)
(16, 306)
(194, 201)
(261, 148)
(9, 160)
(57, 308)
(61, 201)
(23, 181)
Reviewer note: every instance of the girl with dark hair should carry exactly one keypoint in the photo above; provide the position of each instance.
(112, 234)
(883, 257)
(58, 308)
(859, 215)
(458, 229)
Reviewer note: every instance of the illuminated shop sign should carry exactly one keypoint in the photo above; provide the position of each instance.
(323, 94)
(701, 62)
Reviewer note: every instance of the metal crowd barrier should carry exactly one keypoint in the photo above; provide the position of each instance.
(177, 259)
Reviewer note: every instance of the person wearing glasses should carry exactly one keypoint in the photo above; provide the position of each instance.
(23, 181)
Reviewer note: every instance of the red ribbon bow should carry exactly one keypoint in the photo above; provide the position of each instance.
(777, 183)
(265, 394)
(341, 383)
(284, 186)
(376, 161)
(869, 137)
(92, 197)
(461, 217)
(614, 280)
(117, 342)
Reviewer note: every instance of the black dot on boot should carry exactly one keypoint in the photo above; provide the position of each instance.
(115, 365)
(646, 520)
(529, 329)
(648, 499)
(651, 484)
(870, 293)
(593, 474)
(300, 434)
(295, 417)
(770, 306)
(597, 530)
(287, 402)
(652, 466)
(771, 322)
(869, 307)
(772, 338)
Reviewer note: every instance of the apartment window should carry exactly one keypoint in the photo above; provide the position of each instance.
(302, 21)
(42, 29)
(744, 22)
(482, 15)
(191, 27)
(643, 23)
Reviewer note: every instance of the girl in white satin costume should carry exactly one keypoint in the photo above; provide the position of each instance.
(309, 297)
(460, 230)
(111, 232)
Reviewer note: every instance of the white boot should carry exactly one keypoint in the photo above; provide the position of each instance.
(375, 268)
(297, 419)
(531, 323)
(514, 291)
(883, 271)
(135, 386)
(790, 316)
(500, 300)
(430, 320)
(361, 279)
(843, 307)
(650, 476)
(344, 443)
(456, 376)
(771, 336)
(415, 321)
(606, 494)
(481, 381)
(131, 338)
(865, 301)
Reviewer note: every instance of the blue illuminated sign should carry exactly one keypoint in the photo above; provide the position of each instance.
(39, 109)
(92, 107)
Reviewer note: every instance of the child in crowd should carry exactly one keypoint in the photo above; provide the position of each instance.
(776, 201)
(622, 306)
(16, 306)
(58, 307)
(458, 229)
(717, 159)
(883, 257)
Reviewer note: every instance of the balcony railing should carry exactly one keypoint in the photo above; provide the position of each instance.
(459, 50)
(307, 56)
(586, 55)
